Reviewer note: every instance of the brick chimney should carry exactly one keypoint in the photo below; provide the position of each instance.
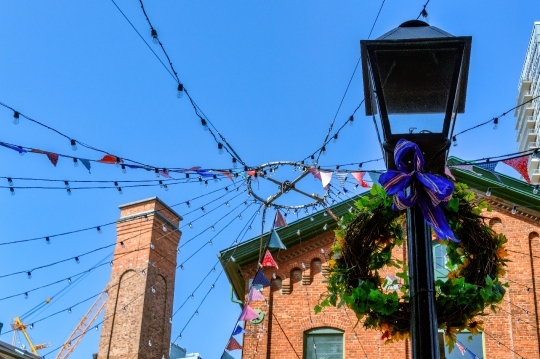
(141, 289)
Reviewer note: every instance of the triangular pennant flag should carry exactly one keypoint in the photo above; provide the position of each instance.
(315, 173)
(279, 221)
(268, 260)
(86, 163)
(53, 157)
(205, 173)
(473, 356)
(466, 168)
(374, 176)
(227, 174)
(449, 174)
(253, 174)
(275, 241)
(254, 294)
(490, 166)
(164, 173)
(190, 169)
(19, 149)
(136, 167)
(359, 176)
(461, 348)
(326, 177)
(248, 313)
(342, 177)
(238, 330)
(520, 165)
(226, 355)
(111, 160)
(261, 279)
(233, 345)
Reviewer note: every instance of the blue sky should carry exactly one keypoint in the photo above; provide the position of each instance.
(269, 75)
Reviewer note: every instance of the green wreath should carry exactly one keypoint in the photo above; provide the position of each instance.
(363, 246)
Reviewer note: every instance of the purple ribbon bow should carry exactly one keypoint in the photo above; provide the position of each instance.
(427, 190)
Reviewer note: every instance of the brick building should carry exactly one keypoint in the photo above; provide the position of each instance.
(141, 289)
(289, 329)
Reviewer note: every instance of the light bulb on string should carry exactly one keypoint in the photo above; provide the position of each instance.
(298, 232)
(200, 180)
(152, 246)
(153, 289)
(181, 266)
(12, 191)
(69, 191)
(146, 218)
(495, 123)
(150, 343)
(188, 204)
(47, 240)
(514, 209)
(32, 326)
(122, 245)
(73, 145)
(77, 260)
(180, 91)
(325, 227)
(170, 320)
(213, 269)
(323, 150)
(123, 168)
(123, 309)
(155, 39)
(156, 171)
(234, 163)
(351, 120)
(190, 225)
(212, 228)
(488, 192)
(535, 189)
(454, 141)
(16, 116)
(164, 228)
(25, 295)
(220, 148)
(197, 312)
(240, 216)
(75, 162)
(179, 336)
(210, 242)
(143, 272)
(202, 209)
(215, 178)
(99, 230)
(335, 138)
(206, 183)
(29, 275)
(204, 124)
(69, 280)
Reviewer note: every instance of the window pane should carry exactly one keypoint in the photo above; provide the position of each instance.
(472, 348)
(328, 346)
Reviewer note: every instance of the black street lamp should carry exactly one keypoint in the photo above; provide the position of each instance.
(416, 69)
(416, 75)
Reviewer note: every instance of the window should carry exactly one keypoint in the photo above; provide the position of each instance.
(474, 348)
(439, 261)
(323, 343)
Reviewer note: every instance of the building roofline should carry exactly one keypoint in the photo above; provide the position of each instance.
(13, 351)
(152, 199)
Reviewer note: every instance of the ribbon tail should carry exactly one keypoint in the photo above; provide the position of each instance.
(434, 216)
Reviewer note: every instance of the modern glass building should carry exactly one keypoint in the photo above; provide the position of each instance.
(528, 116)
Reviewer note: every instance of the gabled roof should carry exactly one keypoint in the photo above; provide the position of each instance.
(510, 189)
(14, 352)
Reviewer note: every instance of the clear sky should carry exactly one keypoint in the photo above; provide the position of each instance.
(269, 75)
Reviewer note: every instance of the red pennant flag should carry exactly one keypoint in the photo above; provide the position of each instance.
(315, 173)
(110, 159)
(268, 260)
(359, 176)
(226, 174)
(233, 345)
(165, 174)
(53, 157)
(520, 165)
(279, 221)
(190, 169)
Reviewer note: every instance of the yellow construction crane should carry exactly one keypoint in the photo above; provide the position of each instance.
(86, 322)
(76, 336)
(17, 326)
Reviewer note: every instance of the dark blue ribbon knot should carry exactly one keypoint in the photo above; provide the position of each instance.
(427, 190)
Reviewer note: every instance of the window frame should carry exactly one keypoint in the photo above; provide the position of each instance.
(313, 332)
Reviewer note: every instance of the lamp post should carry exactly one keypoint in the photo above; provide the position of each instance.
(416, 77)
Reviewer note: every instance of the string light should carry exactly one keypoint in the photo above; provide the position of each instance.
(514, 209)
(73, 145)
(488, 192)
(123, 168)
(323, 150)
(535, 189)
(335, 138)
(25, 295)
(298, 232)
(220, 148)
(190, 225)
(204, 124)
(164, 228)
(75, 162)
(99, 230)
(454, 141)
(325, 227)
(77, 260)
(180, 91)
(495, 123)
(234, 163)
(351, 120)
(47, 240)
(153, 289)
(152, 246)
(16, 118)
(155, 39)
(29, 274)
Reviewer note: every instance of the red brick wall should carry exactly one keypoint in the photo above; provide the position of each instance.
(134, 313)
(292, 298)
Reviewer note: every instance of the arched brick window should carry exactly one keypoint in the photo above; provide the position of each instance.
(316, 267)
(496, 224)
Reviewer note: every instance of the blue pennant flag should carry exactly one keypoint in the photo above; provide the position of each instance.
(205, 173)
(473, 356)
(261, 279)
(86, 163)
(375, 176)
(275, 241)
(490, 166)
(21, 150)
(226, 355)
(238, 330)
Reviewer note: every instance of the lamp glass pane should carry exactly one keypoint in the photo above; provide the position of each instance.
(417, 123)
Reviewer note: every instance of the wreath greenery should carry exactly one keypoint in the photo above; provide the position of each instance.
(363, 247)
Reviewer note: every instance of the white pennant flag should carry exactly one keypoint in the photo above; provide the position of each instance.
(326, 177)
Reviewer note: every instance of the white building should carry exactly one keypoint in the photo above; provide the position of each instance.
(528, 116)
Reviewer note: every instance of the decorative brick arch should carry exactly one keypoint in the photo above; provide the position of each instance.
(534, 235)
(322, 321)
